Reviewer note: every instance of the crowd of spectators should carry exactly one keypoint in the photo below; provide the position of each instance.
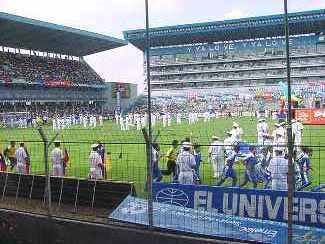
(34, 68)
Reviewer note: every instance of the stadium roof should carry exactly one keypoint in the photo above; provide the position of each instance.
(25, 33)
(236, 29)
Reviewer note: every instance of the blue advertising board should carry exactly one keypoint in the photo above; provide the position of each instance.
(309, 207)
(211, 223)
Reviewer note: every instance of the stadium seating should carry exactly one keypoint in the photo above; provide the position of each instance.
(32, 68)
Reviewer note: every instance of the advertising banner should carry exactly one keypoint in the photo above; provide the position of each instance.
(212, 223)
(311, 116)
(309, 207)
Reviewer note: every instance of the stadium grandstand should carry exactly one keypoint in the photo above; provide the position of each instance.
(245, 54)
(42, 66)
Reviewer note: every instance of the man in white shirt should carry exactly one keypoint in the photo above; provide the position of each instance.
(216, 156)
(228, 143)
(297, 129)
(178, 118)
(279, 142)
(236, 132)
(262, 131)
(57, 160)
(279, 171)
(186, 164)
(21, 159)
(96, 164)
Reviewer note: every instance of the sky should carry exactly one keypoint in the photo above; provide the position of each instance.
(112, 17)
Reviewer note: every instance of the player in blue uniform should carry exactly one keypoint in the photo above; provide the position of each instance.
(304, 164)
(250, 162)
(261, 168)
(198, 160)
(229, 171)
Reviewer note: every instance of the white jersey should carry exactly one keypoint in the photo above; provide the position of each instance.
(21, 156)
(262, 129)
(95, 162)
(228, 144)
(297, 128)
(279, 169)
(216, 149)
(236, 134)
(185, 161)
(57, 157)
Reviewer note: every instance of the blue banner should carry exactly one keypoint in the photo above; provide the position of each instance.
(309, 207)
(212, 223)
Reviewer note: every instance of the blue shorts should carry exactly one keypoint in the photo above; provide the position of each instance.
(229, 172)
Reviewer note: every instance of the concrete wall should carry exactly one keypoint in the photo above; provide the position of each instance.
(23, 228)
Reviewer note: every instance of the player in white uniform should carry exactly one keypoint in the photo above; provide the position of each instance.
(186, 165)
(138, 122)
(262, 132)
(297, 129)
(96, 164)
(164, 120)
(57, 157)
(236, 132)
(216, 156)
(178, 118)
(122, 124)
(169, 119)
(127, 122)
(21, 159)
(228, 143)
(279, 170)
(101, 120)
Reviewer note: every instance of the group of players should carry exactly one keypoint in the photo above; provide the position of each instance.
(139, 120)
(265, 162)
(17, 159)
(84, 120)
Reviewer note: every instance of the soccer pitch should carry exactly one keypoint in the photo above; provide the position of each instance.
(127, 148)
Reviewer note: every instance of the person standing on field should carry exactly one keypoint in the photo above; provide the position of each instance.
(216, 156)
(9, 153)
(171, 156)
(21, 159)
(96, 164)
(279, 171)
(186, 164)
(57, 157)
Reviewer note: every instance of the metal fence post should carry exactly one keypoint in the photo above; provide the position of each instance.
(289, 129)
(149, 141)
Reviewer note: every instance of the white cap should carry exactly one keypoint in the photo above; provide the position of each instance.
(215, 137)
(261, 120)
(186, 144)
(293, 120)
(277, 124)
(94, 145)
(235, 124)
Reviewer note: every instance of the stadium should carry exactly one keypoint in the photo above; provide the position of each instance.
(86, 154)
(214, 58)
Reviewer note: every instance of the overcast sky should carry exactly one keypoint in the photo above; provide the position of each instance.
(111, 17)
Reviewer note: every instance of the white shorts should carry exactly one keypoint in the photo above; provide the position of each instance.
(186, 178)
(278, 184)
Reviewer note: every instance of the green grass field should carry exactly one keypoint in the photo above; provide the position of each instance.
(128, 149)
